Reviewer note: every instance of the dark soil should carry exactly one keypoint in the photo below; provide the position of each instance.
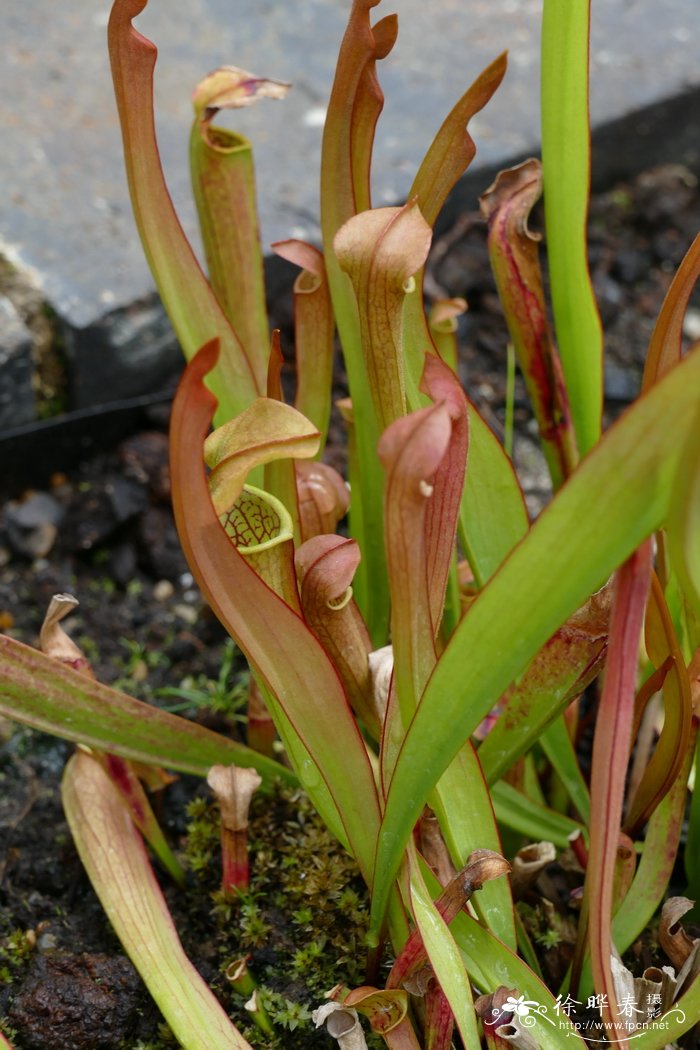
(104, 532)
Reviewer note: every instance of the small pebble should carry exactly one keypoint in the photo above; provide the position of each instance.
(187, 579)
(186, 613)
(691, 324)
(139, 672)
(47, 942)
(163, 590)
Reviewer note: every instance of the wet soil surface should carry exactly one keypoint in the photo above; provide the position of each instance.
(104, 532)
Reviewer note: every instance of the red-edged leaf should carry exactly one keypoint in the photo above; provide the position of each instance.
(669, 753)
(266, 431)
(285, 654)
(411, 451)
(666, 341)
(314, 326)
(441, 385)
(192, 307)
(326, 566)
(448, 157)
(610, 755)
(424, 455)
(513, 251)
(353, 110)
(380, 250)
(114, 857)
(47, 695)
(650, 884)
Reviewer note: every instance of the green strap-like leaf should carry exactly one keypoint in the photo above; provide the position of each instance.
(566, 166)
(530, 818)
(444, 955)
(492, 965)
(465, 811)
(559, 749)
(492, 515)
(48, 695)
(618, 496)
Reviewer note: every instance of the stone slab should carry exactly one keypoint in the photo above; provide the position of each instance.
(17, 402)
(64, 210)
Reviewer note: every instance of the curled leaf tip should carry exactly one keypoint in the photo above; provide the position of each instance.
(266, 431)
(204, 362)
(231, 88)
(522, 185)
(54, 641)
(672, 937)
(333, 560)
(444, 314)
(483, 865)
(234, 787)
(342, 1024)
(418, 444)
(301, 254)
(395, 240)
(128, 9)
(384, 1008)
(323, 497)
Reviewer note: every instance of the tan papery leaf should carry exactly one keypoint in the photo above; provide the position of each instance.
(231, 88)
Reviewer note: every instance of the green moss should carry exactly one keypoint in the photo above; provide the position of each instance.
(16, 949)
(165, 1041)
(7, 1030)
(284, 1013)
(302, 923)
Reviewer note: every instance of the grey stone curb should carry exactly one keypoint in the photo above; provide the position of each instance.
(64, 213)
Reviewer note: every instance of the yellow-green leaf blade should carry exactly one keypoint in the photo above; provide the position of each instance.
(568, 544)
(51, 697)
(566, 167)
(115, 859)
